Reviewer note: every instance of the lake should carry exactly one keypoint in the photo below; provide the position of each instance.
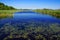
(30, 16)
(29, 22)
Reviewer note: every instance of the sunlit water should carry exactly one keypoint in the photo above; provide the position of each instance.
(29, 17)
(29, 22)
(35, 17)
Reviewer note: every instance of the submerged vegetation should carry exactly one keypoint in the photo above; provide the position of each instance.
(33, 31)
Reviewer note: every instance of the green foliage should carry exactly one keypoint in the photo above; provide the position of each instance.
(5, 7)
(7, 13)
(55, 13)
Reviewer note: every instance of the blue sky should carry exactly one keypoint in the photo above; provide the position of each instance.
(33, 4)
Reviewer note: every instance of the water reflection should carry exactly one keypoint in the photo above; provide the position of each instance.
(33, 26)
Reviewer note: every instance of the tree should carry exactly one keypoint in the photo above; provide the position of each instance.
(5, 7)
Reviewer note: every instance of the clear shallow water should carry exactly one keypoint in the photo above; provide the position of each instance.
(31, 23)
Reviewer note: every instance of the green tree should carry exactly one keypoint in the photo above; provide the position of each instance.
(5, 7)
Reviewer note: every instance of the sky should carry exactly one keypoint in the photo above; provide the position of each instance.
(33, 4)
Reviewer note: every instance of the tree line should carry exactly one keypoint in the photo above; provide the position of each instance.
(5, 7)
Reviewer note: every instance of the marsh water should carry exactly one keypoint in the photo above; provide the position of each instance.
(29, 22)
(30, 16)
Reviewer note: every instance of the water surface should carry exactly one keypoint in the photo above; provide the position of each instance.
(29, 22)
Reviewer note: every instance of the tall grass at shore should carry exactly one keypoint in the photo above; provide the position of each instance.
(55, 13)
(7, 13)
